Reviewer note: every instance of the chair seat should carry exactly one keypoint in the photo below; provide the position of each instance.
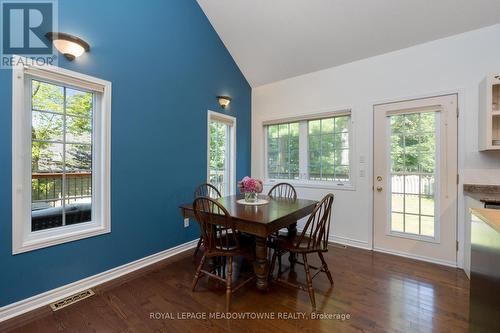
(272, 240)
(284, 243)
(246, 248)
(282, 232)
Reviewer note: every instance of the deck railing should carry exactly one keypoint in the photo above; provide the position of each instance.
(47, 188)
(216, 178)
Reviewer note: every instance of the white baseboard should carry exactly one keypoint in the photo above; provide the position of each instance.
(43, 299)
(345, 241)
(350, 242)
(417, 257)
(366, 246)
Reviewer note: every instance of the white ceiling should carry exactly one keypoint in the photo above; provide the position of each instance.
(271, 40)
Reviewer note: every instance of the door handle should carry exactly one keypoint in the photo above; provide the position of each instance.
(379, 188)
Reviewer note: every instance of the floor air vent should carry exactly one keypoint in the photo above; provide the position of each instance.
(71, 299)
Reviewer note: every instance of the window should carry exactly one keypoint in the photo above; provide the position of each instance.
(314, 149)
(221, 152)
(283, 151)
(328, 147)
(60, 156)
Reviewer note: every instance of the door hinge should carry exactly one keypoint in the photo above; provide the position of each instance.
(458, 179)
(457, 246)
(458, 112)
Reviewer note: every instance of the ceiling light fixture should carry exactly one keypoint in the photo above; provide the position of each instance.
(69, 45)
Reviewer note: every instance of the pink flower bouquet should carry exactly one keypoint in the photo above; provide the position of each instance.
(250, 185)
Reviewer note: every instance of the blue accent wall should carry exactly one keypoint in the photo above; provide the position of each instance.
(166, 64)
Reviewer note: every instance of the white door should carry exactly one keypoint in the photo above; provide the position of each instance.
(415, 178)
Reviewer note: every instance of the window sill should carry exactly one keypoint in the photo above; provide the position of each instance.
(312, 184)
(45, 238)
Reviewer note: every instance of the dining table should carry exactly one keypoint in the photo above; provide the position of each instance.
(261, 221)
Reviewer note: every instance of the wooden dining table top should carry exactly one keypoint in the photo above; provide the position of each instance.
(261, 220)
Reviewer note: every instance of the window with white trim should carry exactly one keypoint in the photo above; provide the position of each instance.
(61, 146)
(312, 149)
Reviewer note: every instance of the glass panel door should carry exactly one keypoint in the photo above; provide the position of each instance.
(415, 178)
(219, 155)
(413, 173)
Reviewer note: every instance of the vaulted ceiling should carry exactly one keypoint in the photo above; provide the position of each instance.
(272, 40)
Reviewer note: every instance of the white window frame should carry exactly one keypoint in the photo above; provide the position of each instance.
(231, 121)
(23, 239)
(303, 181)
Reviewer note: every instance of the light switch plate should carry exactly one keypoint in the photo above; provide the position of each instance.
(186, 222)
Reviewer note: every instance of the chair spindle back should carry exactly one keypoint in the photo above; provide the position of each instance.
(216, 224)
(283, 190)
(207, 190)
(317, 228)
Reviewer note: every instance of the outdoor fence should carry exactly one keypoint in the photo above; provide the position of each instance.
(423, 184)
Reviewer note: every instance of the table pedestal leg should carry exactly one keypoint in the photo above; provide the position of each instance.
(261, 265)
(292, 233)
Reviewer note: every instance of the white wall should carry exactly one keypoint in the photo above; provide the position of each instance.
(453, 64)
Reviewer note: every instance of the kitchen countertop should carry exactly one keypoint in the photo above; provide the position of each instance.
(488, 216)
(483, 193)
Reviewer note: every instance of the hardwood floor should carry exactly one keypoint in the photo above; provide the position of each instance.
(379, 293)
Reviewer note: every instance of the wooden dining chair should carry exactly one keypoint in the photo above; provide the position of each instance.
(313, 239)
(280, 190)
(221, 239)
(283, 190)
(205, 190)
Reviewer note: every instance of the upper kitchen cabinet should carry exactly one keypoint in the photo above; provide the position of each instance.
(489, 113)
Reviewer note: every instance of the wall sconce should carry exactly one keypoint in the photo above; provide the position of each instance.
(69, 45)
(224, 101)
